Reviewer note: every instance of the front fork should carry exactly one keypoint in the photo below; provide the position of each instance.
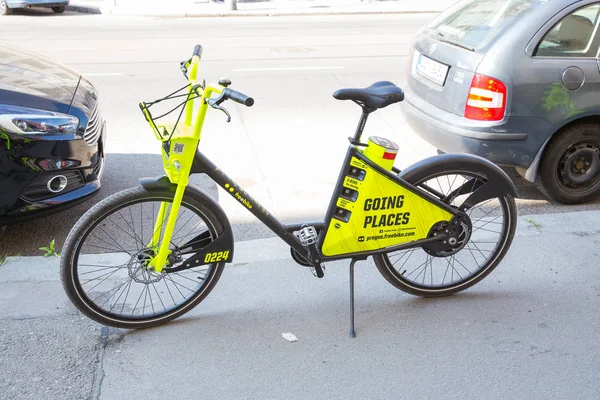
(160, 259)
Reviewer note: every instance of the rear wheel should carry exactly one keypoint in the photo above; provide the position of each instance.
(59, 9)
(4, 10)
(423, 272)
(570, 167)
(104, 261)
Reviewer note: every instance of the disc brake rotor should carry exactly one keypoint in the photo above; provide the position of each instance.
(139, 270)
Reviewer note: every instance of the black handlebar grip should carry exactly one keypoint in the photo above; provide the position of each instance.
(197, 51)
(238, 97)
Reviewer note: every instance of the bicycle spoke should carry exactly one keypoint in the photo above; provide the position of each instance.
(133, 229)
(458, 261)
(174, 285)
(135, 238)
(101, 269)
(169, 290)
(183, 226)
(150, 297)
(473, 255)
(125, 300)
(104, 241)
(454, 269)
(91, 280)
(487, 251)
(189, 234)
(478, 250)
(146, 290)
(488, 213)
(480, 205)
(407, 258)
(137, 302)
(421, 268)
(486, 230)
(190, 279)
(142, 224)
(115, 289)
(409, 252)
(446, 272)
(111, 238)
(159, 298)
(431, 270)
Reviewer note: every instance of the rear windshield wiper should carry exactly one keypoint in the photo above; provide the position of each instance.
(456, 43)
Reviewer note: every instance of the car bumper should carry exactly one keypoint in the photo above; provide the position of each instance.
(36, 3)
(513, 142)
(51, 206)
(25, 176)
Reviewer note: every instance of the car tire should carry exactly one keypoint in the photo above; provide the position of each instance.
(570, 167)
(4, 10)
(59, 9)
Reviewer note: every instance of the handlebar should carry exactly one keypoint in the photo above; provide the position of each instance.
(197, 51)
(238, 97)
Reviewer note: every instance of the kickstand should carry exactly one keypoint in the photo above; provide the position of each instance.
(352, 332)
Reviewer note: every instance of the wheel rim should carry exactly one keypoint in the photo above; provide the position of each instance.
(2, 6)
(424, 271)
(579, 167)
(110, 277)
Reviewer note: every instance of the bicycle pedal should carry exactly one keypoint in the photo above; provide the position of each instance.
(318, 270)
(307, 236)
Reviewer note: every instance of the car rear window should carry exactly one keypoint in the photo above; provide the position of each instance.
(474, 24)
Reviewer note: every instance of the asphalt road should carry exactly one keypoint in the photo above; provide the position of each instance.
(286, 150)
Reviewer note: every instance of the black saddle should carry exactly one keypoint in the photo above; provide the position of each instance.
(379, 95)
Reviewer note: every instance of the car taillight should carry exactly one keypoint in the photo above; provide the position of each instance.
(487, 99)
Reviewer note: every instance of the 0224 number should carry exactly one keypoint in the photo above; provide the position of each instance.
(216, 256)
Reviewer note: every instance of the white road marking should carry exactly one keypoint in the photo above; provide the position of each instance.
(104, 74)
(285, 69)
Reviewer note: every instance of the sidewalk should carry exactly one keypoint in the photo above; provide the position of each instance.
(529, 330)
(206, 8)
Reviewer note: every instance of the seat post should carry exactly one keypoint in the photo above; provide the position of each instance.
(361, 125)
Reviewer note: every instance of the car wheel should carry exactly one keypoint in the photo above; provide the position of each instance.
(4, 10)
(570, 166)
(59, 9)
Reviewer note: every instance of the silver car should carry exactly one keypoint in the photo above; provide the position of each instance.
(516, 82)
(57, 6)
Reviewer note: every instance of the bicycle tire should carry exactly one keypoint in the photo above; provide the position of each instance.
(101, 212)
(398, 277)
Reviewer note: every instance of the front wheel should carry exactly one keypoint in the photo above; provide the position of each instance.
(4, 9)
(104, 262)
(59, 9)
(422, 272)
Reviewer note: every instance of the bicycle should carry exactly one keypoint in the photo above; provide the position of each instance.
(171, 262)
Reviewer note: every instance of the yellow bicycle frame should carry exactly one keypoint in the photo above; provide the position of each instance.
(177, 162)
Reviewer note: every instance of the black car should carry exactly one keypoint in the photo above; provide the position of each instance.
(52, 136)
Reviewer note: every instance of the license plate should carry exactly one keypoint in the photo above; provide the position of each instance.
(432, 70)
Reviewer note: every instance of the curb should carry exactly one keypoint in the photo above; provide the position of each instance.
(272, 13)
(85, 10)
